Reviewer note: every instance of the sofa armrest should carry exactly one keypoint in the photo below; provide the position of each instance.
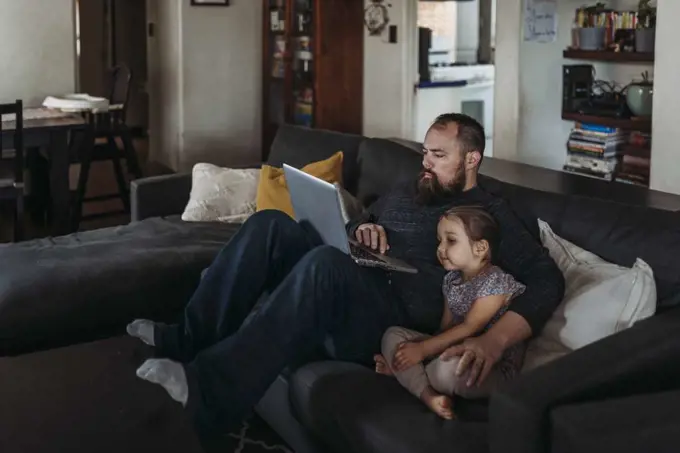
(159, 196)
(639, 360)
(634, 424)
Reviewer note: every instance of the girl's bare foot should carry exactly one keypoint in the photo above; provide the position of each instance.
(381, 366)
(440, 404)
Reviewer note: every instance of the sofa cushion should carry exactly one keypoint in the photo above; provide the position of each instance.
(380, 415)
(221, 194)
(382, 164)
(298, 146)
(273, 192)
(86, 285)
(616, 232)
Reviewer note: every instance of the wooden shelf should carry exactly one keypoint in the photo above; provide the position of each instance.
(632, 150)
(642, 125)
(610, 56)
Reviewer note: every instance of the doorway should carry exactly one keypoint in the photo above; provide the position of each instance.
(456, 52)
(109, 32)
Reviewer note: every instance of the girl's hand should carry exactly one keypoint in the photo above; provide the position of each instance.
(408, 354)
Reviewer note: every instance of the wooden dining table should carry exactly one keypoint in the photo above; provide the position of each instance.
(51, 133)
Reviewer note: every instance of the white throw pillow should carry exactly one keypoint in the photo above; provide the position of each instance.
(600, 299)
(221, 194)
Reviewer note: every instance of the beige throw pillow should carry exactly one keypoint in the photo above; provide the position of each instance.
(221, 194)
(600, 299)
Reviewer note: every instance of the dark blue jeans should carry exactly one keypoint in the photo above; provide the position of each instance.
(317, 296)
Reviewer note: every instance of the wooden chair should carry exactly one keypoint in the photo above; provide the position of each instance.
(99, 144)
(12, 167)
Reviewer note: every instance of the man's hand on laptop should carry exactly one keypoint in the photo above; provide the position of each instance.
(373, 236)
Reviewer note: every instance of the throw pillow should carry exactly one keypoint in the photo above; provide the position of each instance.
(221, 194)
(272, 191)
(600, 299)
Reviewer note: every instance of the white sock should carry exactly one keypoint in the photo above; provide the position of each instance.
(142, 329)
(168, 374)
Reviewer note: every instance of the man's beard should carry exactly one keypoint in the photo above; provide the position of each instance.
(431, 190)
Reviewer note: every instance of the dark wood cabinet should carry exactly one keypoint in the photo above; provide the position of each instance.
(313, 65)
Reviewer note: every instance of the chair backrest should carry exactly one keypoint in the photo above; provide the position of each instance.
(120, 77)
(17, 109)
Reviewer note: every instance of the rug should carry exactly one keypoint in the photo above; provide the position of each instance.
(255, 436)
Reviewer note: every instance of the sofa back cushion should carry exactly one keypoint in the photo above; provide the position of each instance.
(299, 146)
(383, 163)
(616, 232)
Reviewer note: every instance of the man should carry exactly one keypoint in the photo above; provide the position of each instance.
(222, 357)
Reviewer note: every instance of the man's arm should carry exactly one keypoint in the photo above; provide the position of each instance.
(371, 215)
(528, 261)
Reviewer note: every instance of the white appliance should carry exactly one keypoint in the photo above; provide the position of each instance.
(474, 99)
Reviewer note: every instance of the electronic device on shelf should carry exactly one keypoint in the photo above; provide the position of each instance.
(577, 87)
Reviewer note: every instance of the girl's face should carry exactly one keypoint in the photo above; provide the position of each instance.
(456, 252)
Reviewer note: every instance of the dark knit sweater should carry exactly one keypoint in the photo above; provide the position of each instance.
(412, 235)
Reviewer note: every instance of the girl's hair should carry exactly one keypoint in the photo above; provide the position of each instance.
(478, 224)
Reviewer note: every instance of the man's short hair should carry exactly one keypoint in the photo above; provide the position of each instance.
(471, 134)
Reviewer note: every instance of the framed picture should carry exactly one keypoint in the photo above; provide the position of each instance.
(209, 2)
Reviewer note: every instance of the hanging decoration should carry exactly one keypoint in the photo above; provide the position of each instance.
(376, 17)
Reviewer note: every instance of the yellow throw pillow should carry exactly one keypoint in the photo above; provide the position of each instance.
(272, 191)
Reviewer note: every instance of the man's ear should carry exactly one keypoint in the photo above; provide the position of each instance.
(472, 160)
(481, 248)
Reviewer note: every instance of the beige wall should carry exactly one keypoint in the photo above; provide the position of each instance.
(390, 70)
(205, 83)
(222, 83)
(165, 82)
(36, 49)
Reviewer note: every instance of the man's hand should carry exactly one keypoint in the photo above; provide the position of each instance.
(373, 236)
(408, 354)
(478, 356)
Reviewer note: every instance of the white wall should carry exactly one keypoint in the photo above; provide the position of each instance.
(665, 172)
(222, 60)
(390, 70)
(506, 98)
(205, 83)
(37, 49)
(165, 83)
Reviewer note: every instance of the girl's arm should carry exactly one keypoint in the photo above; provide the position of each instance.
(481, 313)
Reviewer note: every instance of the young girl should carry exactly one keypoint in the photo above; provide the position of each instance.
(476, 295)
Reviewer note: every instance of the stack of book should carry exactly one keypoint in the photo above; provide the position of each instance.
(635, 161)
(593, 150)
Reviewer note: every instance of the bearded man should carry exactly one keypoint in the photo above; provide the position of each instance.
(219, 365)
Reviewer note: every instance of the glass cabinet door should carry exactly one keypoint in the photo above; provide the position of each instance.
(277, 56)
(302, 39)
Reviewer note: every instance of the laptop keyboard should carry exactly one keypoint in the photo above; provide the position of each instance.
(362, 254)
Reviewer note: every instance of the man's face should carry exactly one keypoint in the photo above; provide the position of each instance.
(443, 170)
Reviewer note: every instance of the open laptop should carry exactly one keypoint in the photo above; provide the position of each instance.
(317, 202)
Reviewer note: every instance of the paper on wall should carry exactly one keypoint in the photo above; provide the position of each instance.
(540, 20)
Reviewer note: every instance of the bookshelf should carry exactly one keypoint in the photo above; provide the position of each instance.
(642, 124)
(312, 63)
(609, 56)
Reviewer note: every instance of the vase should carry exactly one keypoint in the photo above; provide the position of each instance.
(639, 98)
(645, 39)
(591, 38)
